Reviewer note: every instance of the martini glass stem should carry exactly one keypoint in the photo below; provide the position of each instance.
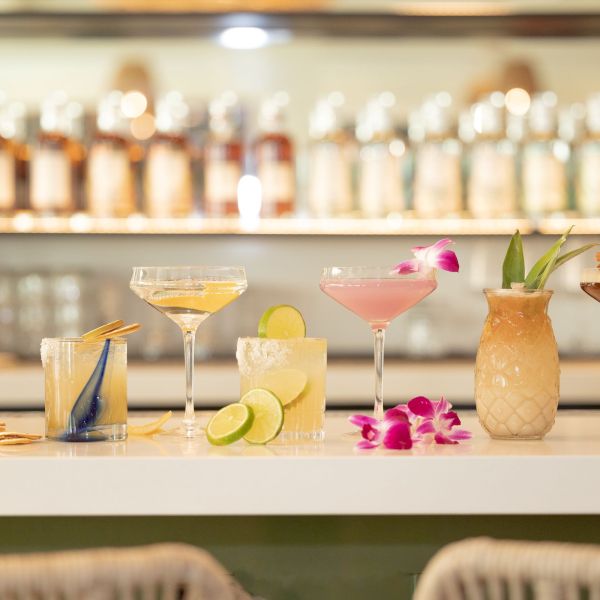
(189, 419)
(379, 339)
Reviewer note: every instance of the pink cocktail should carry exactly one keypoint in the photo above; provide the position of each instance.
(378, 301)
(377, 295)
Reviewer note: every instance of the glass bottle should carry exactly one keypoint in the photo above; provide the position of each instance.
(274, 151)
(168, 188)
(110, 183)
(437, 185)
(517, 373)
(491, 187)
(330, 164)
(8, 159)
(587, 161)
(545, 159)
(52, 165)
(381, 160)
(223, 157)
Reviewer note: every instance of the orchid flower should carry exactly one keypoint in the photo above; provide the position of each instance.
(430, 257)
(419, 421)
(434, 421)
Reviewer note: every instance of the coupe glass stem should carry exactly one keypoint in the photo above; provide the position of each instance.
(379, 339)
(189, 418)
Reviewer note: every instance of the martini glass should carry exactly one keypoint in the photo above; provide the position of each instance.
(377, 295)
(188, 296)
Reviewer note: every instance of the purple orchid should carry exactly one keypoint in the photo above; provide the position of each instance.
(419, 421)
(430, 257)
(434, 421)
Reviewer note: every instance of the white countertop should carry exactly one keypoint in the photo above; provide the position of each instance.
(165, 475)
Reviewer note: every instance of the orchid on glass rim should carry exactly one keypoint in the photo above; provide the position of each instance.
(419, 421)
(426, 258)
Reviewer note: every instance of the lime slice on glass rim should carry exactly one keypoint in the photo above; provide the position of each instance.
(230, 424)
(281, 322)
(286, 384)
(268, 415)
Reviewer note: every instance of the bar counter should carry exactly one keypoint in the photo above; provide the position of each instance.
(166, 475)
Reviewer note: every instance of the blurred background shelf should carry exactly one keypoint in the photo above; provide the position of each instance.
(26, 223)
(349, 383)
(303, 19)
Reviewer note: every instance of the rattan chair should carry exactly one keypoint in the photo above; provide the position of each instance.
(161, 571)
(486, 569)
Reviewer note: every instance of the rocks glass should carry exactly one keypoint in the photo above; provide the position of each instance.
(85, 389)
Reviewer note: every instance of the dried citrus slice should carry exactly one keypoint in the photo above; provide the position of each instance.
(149, 428)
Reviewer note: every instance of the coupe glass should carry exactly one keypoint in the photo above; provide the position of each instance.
(188, 296)
(377, 295)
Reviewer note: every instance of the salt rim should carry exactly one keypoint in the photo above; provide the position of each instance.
(44, 351)
(259, 355)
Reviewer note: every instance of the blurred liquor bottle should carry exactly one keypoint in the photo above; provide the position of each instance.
(110, 180)
(8, 158)
(545, 160)
(381, 159)
(492, 175)
(54, 159)
(330, 160)
(274, 155)
(587, 162)
(437, 185)
(168, 174)
(223, 157)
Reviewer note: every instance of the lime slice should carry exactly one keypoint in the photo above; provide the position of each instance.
(281, 322)
(286, 384)
(268, 415)
(230, 424)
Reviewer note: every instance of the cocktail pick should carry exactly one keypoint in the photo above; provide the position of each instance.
(103, 329)
(119, 332)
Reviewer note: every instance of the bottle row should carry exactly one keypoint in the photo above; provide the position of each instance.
(505, 155)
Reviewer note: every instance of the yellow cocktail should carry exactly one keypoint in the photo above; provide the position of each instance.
(294, 370)
(85, 389)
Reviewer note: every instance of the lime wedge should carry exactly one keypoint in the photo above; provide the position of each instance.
(286, 384)
(281, 322)
(268, 415)
(230, 424)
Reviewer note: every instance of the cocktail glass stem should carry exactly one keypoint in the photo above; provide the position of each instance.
(379, 339)
(189, 419)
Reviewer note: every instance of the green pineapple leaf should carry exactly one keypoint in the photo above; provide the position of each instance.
(536, 278)
(513, 267)
(561, 260)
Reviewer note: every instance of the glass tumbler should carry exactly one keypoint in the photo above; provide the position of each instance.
(294, 370)
(85, 389)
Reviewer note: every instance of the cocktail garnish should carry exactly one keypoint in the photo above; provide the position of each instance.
(268, 415)
(513, 267)
(99, 331)
(120, 332)
(13, 438)
(230, 424)
(420, 421)
(286, 384)
(429, 257)
(150, 428)
(282, 322)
